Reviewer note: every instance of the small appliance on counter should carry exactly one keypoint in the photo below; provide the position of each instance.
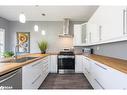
(87, 51)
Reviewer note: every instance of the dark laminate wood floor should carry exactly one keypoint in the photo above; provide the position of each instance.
(66, 81)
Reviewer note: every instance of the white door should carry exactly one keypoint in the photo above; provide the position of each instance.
(2, 40)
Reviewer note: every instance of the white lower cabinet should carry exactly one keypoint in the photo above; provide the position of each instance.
(101, 76)
(53, 63)
(34, 74)
(87, 69)
(78, 63)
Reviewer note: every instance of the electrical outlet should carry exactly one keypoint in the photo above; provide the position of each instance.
(98, 47)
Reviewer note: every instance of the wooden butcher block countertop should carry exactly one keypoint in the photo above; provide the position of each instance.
(118, 64)
(7, 67)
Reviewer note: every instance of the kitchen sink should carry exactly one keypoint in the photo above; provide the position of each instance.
(20, 60)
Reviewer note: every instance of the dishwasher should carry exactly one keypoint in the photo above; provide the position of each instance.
(11, 80)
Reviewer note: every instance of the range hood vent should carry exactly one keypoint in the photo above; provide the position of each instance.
(65, 29)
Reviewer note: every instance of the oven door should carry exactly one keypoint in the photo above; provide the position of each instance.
(66, 63)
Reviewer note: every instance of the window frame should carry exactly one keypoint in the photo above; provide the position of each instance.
(3, 30)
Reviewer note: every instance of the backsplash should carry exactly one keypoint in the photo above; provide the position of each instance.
(116, 50)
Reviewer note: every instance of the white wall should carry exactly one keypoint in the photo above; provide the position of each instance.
(52, 28)
(4, 25)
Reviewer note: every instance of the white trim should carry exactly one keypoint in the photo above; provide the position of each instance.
(119, 39)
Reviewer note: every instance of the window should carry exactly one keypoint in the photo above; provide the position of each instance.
(2, 40)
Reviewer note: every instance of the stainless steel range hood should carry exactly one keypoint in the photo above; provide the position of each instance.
(65, 29)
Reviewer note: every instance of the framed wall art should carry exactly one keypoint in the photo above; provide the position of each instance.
(23, 42)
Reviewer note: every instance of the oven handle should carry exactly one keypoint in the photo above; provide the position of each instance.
(60, 57)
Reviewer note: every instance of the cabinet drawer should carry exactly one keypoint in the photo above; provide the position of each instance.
(45, 66)
(97, 85)
(109, 78)
(34, 64)
(45, 59)
(36, 81)
(116, 80)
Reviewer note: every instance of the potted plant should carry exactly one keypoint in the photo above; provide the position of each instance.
(7, 54)
(43, 46)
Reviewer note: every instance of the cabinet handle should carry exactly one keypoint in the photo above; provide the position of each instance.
(12, 75)
(87, 70)
(87, 59)
(45, 66)
(45, 62)
(36, 64)
(124, 21)
(101, 66)
(99, 84)
(36, 79)
(90, 36)
(100, 30)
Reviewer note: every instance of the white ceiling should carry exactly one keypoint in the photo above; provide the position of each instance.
(53, 13)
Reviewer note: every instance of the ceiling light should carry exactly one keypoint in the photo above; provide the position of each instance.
(22, 18)
(43, 32)
(36, 28)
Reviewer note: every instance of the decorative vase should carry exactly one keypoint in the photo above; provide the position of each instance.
(43, 52)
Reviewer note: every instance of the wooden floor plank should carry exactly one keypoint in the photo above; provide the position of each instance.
(66, 81)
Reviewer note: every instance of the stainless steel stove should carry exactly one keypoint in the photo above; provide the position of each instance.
(66, 62)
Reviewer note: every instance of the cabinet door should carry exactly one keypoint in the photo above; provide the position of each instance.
(94, 33)
(116, 80)
(78, 63)
(89, 29)
(53, 64)
(100, 76)
(112, 22)
(87, 69)
(77, 35)
(45, 69)
(84, 33)
(108, 78)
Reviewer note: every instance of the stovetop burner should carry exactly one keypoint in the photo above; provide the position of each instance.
(66, 53)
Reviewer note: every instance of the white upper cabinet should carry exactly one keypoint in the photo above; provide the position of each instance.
(77, 35)
(93, 33)
(112, 22)
(84, 33)
(108, 24)
(80, 34)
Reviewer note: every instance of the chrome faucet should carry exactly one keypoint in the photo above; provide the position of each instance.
(18, 45)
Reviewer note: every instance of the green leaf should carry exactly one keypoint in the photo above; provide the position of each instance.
(43, 45)
(8, 53)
